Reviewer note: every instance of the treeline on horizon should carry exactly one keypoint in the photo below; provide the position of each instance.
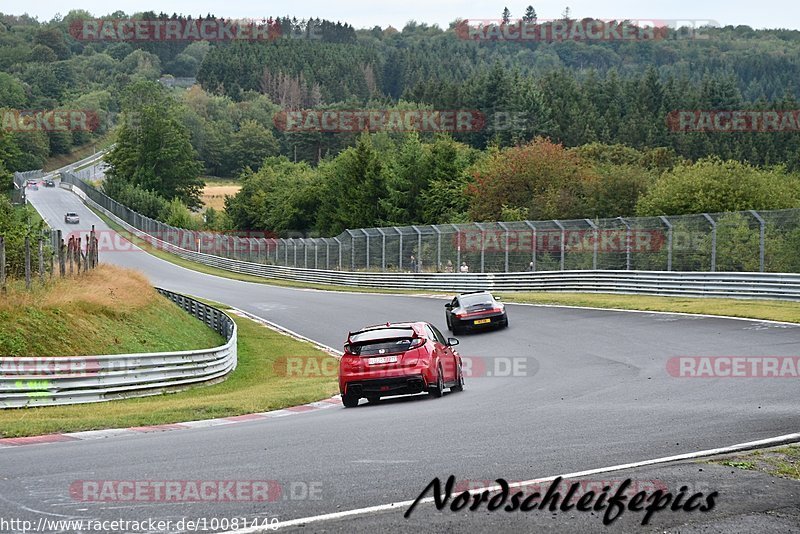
(598, 109)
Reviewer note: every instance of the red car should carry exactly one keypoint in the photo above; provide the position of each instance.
(398, 359)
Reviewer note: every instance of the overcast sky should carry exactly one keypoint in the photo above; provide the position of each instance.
(363, 14)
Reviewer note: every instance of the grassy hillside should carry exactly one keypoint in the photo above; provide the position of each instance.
(107, 311)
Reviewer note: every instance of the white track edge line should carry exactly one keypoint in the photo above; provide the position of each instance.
(779, 440)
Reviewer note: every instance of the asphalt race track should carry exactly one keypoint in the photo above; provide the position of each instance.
(591, 391)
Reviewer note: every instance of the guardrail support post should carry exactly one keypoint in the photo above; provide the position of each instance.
(563, 240)
(596, 237)
(669, 241)
(627, 243)
(761, 234)
(713, 241)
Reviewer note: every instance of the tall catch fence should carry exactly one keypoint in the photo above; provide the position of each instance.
(746, 241)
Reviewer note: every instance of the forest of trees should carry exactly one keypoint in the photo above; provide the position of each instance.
(589, 136)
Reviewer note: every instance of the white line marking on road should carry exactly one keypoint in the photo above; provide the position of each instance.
(283, 330)
(780, 440)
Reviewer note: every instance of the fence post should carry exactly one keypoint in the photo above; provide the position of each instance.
(563, 241)
(596, 238)
(713, 241)
(52, 256)
(62, 267)
(627, 243)
(761, 234)
(669, 241)
(400, 262)
(483, 245)
(383, 249)
(533, 244)
(77, 253)
(352, 250)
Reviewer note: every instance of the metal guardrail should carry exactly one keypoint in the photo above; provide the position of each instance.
(20, 180)
(782, 286)
(28, 382)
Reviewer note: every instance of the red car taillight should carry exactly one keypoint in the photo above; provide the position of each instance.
(482, 312)
(350, 362)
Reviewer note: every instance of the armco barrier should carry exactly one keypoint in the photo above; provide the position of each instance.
(27, 382)
(784, 286)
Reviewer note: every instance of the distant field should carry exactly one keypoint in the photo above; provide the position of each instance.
(215, 191)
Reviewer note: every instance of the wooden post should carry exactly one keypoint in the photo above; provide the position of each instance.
(62, 267)
(71, 254)
(52, 259)
(91, 249)
(2, 264)
(41, 259)
(27, 262)
(78, 253)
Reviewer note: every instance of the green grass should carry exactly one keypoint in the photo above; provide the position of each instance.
(256, 385)
(781, 462)
(106, 311)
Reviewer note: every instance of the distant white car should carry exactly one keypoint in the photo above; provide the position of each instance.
(72, 218)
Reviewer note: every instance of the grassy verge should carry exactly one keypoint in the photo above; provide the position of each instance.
(256, 385)
(781, 462)
(106, 311)
(774, 310)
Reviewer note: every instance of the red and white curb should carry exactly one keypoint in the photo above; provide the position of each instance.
(332, 402)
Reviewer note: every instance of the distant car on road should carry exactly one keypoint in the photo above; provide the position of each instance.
(33, 184)
(72, 218)
(398, 359)
(473, 311)
(49, 183)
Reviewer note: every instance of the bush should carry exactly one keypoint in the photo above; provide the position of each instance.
(712, 185)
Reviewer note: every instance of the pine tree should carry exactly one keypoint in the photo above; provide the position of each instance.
(530, 15)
